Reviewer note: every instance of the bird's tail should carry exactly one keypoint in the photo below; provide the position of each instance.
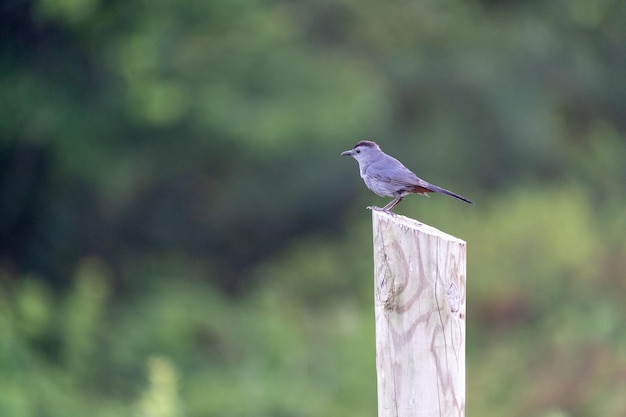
(440, 190)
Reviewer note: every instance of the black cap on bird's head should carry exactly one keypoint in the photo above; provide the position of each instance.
(363, 144)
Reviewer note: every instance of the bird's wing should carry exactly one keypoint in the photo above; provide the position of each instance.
(394, 172)
(391, 171)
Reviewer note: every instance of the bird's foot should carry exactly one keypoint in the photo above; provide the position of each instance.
(375, 208)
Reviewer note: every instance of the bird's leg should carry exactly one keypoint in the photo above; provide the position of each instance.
(392, 204)
(388, 207)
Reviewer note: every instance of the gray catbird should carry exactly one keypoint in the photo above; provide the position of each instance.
(386, 176)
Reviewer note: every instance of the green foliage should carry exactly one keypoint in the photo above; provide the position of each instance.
(83, 316)
(183, 350)
(541, 282)
(178, 233)
(161, 399)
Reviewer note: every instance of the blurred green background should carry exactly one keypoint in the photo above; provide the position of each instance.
(180, 237)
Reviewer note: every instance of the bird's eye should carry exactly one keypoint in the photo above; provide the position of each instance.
(358, 151)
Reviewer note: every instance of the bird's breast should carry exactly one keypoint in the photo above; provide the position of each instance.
(378, 186)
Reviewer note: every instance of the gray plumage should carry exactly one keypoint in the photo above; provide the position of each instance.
(388, 177)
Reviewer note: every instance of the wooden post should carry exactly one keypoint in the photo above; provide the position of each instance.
(420, 319)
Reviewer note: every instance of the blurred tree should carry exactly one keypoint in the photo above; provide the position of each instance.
(206, 130)
(104, 96)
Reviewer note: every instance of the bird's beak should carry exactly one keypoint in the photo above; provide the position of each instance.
(347, 153)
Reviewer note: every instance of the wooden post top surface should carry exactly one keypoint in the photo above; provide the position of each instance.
(413, 224)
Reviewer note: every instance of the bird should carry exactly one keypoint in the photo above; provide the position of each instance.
(388, 177)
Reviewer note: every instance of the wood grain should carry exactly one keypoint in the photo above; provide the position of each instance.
(420, 318)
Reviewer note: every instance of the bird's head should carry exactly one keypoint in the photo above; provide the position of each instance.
(363, 151)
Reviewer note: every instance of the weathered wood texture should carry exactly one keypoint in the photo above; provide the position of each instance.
(420, 319)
